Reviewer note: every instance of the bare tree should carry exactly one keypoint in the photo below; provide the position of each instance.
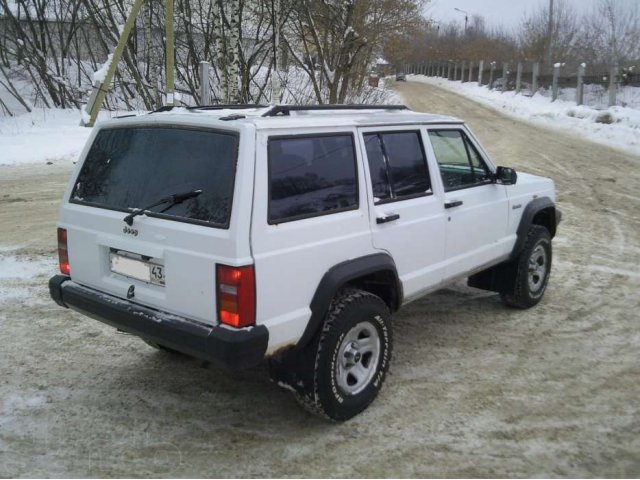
(611, 34)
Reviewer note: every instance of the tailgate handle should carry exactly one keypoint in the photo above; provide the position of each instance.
(455, 203)
(388, 218)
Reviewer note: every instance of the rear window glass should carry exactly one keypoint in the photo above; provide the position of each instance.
(311, 176)
(130, 168)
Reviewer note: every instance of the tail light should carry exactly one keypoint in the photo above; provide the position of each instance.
(236, 287)
(63, 252)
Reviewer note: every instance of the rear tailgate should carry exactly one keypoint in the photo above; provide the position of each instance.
(165, 260)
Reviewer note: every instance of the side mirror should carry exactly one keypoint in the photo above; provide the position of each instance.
(506, 175)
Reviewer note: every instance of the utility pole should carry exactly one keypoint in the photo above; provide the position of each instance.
(169, 49)
(550, 35)
(275, 79)
(466, 19)
(101, 86)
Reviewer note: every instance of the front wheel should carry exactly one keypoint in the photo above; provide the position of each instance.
(533, 269)
(352, 355)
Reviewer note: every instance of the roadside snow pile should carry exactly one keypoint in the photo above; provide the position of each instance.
(44, 135)
(616, 126)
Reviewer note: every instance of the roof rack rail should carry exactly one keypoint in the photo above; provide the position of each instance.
(168, 108)
(227, 106)
(286, 109)
(164, 108)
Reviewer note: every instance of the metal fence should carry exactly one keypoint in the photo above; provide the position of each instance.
(526, 79)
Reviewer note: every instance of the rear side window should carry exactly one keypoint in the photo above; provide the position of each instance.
(128, 168)
(311, 176)
(397, 165)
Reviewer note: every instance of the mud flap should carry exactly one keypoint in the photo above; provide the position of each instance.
(500, 278)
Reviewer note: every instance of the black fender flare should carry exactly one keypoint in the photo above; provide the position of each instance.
(336, 277)
(530, 211)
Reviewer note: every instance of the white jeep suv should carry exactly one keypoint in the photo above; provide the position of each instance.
(292, 233)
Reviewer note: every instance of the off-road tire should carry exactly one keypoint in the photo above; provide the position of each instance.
(537, 248)
(350, 311)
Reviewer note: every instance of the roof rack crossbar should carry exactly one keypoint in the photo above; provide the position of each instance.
(286, 109)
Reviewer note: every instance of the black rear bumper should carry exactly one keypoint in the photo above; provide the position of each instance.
(233, 348)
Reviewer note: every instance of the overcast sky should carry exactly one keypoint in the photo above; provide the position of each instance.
(497, 12)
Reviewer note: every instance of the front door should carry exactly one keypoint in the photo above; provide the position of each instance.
(476, 207)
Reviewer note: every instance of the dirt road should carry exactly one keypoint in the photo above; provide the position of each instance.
(475, 389)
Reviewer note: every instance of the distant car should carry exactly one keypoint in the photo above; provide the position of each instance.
(401, 77)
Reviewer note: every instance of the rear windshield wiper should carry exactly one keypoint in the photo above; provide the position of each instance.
(172, 200)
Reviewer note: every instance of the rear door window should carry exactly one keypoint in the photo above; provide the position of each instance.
(129, 168)
(311, 176)
(397, 165)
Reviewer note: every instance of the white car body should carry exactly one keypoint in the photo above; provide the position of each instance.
(430, 245)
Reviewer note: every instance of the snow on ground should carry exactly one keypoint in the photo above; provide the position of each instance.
(19, 273)
(41, 136)
(621, 127)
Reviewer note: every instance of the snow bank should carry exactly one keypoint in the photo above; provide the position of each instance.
(616, 126)
(41, 136)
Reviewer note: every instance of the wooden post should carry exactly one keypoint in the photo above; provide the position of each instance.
(205, 87)
(100, 87)
(169, 49)
(580, 85)
(519, 78)
(462, 77)
(449, 71)
(612, 84)
(455, 71)
(534, 78)
(470, 71)
(480, 71)
(554, 85)
(505, 76)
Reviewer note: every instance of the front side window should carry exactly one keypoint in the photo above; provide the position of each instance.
(397, 165)
(133, 167)
(311, 176)
(460, 163)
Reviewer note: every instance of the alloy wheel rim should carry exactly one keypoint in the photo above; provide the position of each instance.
(358, 357)
(537, 268)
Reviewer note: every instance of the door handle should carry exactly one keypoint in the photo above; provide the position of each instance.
(455, 203)
(388, 218)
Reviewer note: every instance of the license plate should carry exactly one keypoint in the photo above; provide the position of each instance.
(138, 269)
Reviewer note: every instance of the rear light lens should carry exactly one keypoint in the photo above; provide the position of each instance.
(236, 287)
(63, 252)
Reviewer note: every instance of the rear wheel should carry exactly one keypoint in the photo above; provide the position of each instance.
(533, 269)
(349, 359)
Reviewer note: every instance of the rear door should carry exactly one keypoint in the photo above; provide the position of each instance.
(309, 215)
(167, 258)
(406, 213)
(476, 207)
